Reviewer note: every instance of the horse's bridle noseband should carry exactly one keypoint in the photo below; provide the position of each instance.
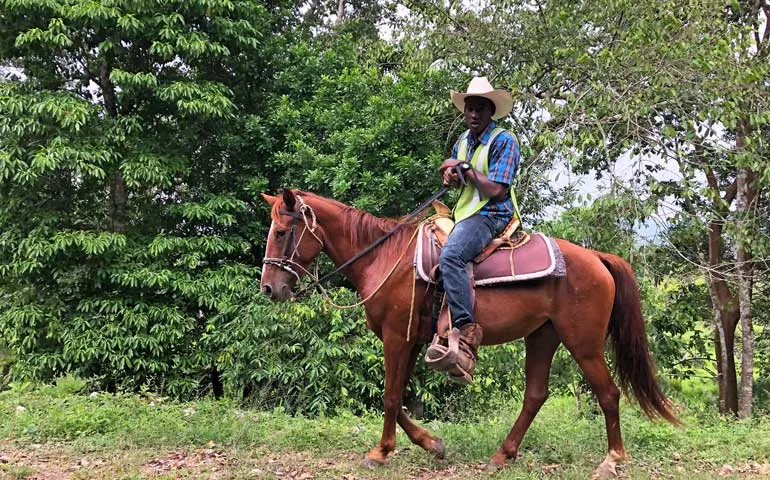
(286, 262)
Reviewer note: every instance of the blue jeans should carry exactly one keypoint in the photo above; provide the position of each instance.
(468, 239)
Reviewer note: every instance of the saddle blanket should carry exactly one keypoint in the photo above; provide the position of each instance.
(537, 258)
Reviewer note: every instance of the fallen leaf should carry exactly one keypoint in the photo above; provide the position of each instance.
(726, 470)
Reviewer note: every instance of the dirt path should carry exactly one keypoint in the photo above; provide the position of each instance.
(52, 461)
(59, 461)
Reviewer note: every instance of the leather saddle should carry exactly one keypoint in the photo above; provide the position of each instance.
(511, 257)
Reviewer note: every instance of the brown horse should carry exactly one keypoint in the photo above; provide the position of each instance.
(598, 297)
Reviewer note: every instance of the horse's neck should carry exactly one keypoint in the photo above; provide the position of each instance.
(340, 245)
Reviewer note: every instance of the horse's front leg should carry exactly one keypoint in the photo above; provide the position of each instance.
(417, 434)
(400, 358)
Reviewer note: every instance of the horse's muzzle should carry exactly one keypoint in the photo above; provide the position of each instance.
(279, 293)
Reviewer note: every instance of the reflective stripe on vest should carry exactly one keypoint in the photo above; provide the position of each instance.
(471, 200)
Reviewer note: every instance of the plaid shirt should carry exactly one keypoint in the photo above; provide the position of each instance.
(503, 165)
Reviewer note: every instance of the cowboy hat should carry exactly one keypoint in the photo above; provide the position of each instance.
(480, 87)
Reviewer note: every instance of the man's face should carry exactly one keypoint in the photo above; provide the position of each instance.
(478, 114)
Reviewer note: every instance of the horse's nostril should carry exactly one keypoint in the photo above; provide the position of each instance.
(267, 290)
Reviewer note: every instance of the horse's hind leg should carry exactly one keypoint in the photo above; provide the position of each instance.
(591, 361)
(541, 346)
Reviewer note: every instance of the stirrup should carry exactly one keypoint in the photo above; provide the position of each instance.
(441, 355)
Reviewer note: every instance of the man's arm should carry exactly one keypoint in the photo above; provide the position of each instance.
(448, 174)
(503, 164)
(487, 187)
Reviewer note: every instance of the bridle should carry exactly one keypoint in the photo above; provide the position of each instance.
(286, 262)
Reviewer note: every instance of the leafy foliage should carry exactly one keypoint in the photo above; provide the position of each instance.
(121, 228)
(135, 137)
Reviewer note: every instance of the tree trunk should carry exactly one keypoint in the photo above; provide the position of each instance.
(726, 373)
(745, 286)
(216, 382)
(118, 190)
(745, 198)
(726, 316)
(341, 11)
(118, 202)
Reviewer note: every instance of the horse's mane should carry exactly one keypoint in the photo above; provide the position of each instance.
(363, 228)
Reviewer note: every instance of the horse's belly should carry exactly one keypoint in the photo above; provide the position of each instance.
(509, 313)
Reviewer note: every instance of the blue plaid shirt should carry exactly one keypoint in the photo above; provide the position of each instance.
(503, 165)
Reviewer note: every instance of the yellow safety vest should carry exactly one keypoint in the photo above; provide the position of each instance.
(471, 201)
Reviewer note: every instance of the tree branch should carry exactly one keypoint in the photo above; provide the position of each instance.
(730, 193)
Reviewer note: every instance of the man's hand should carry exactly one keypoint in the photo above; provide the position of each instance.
(449, 172)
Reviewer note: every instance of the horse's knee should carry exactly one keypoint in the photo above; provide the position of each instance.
(391, 404)
(534, 400)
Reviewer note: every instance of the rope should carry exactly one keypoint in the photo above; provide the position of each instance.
(325, 292)
(411, 304)
(287, 263)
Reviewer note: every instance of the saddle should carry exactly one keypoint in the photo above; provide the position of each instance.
(513, 256)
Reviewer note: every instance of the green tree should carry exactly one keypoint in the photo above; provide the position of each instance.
(361, 126)
(122, 181)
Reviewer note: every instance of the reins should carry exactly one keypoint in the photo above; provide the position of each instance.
(288, 264)
(411, 216)
(306, 213)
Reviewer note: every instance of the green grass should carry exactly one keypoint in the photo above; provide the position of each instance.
(126, 433)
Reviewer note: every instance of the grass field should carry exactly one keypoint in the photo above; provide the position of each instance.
(51, 433)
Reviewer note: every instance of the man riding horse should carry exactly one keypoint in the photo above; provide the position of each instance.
(595, 299)
(484, 208)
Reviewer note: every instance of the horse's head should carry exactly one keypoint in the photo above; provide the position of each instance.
(293, 242)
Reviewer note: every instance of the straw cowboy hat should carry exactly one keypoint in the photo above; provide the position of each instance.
(480, 87)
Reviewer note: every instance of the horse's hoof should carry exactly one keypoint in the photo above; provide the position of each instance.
(605, 470)
(608, 468)
(493, 467)
(371, 463)
(438, 449)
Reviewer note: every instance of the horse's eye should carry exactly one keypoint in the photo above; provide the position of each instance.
(280, 233)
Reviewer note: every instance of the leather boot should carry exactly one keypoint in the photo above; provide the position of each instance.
(470, 339)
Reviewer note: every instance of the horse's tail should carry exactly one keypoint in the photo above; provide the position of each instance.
(630, 349)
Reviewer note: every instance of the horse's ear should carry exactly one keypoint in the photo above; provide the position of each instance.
(270, 199)
(289, 199)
